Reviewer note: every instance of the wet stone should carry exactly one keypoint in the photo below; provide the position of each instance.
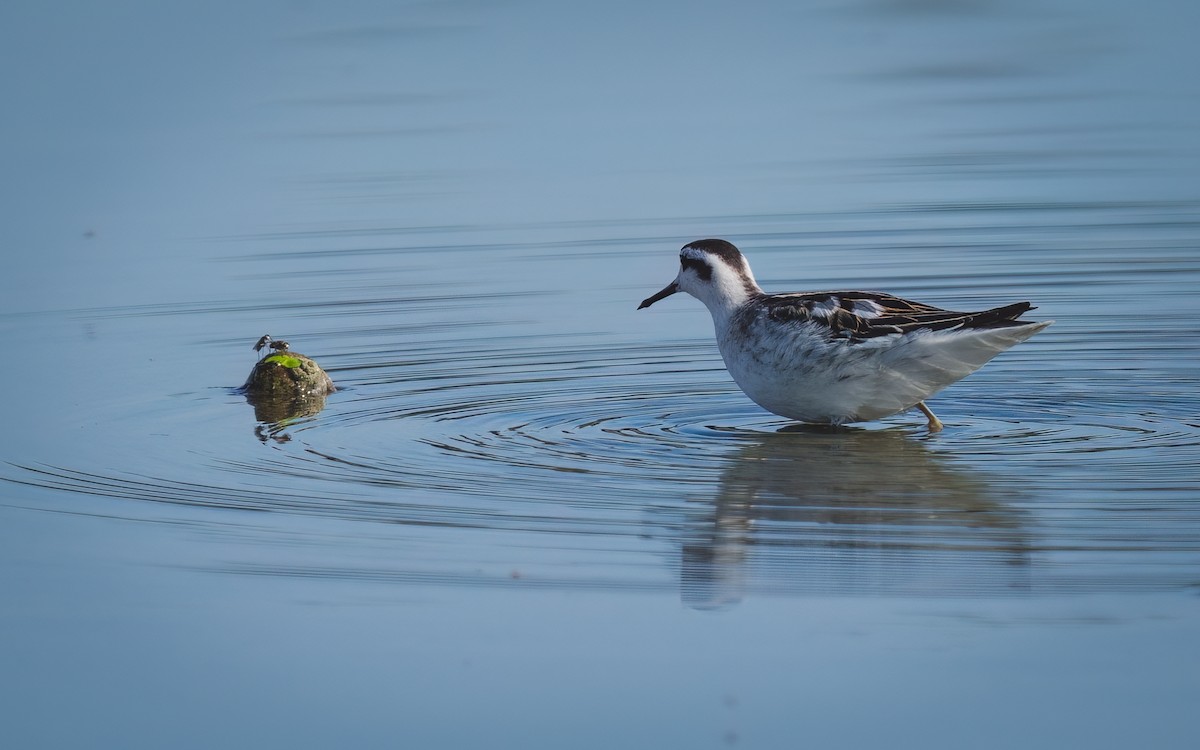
(288, 374)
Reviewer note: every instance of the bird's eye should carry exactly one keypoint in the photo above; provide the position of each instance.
(702, 269)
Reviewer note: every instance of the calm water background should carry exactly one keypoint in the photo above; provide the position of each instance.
(533, 517)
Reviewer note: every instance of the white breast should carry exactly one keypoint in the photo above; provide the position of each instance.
(795, 370)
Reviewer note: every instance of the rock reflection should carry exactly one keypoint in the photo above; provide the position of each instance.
(277, 412)
(849, 511)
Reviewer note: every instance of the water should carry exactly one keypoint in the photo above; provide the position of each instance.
(533, 516)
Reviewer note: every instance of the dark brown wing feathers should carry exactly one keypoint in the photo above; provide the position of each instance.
(895, 315)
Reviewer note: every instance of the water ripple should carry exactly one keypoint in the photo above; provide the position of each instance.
(1068, 462)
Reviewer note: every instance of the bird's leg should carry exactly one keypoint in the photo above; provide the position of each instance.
(935, 424)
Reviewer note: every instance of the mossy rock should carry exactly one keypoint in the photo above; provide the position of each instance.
(286, 386)
(288, 374)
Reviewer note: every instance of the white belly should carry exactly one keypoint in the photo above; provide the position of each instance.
(794, 371)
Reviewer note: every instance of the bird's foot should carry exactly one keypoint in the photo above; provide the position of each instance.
(935, 424)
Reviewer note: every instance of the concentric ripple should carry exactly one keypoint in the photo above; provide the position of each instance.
(599, 432)
(651, 412)
(1068, 462)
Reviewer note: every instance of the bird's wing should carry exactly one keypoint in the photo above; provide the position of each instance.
(864, 315)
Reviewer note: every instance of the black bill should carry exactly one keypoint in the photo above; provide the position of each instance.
(666, 292)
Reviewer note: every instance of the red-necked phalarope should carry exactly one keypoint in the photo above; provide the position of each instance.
(838, 357)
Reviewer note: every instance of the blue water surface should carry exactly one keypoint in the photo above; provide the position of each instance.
(533, 516)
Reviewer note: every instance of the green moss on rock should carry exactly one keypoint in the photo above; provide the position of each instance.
(291, 374)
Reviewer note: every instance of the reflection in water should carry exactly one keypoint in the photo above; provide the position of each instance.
(285, 407)
(276, 412)
(837, 509)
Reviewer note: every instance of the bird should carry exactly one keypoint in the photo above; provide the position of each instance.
(836, 358)
(279, 346)
(258, 346)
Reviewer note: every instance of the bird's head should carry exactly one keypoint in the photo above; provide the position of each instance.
(714, 272)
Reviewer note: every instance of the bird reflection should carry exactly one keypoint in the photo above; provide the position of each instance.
(849, 510)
